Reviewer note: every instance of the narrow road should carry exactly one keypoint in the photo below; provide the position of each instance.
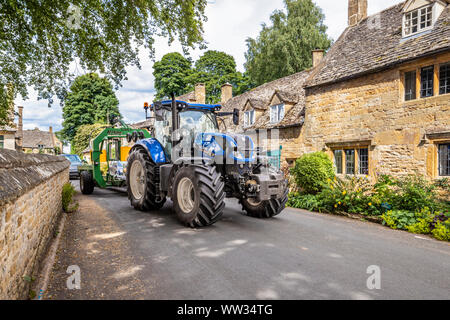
(127, 254)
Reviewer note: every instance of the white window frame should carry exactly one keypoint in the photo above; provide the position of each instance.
(420, 13)
(276, 113)
(249, 118)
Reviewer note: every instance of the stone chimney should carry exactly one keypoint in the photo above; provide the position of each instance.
(20, 127)
(317, 56)
(50, 129)
(227, 93)
(357, 11)
(200, 93)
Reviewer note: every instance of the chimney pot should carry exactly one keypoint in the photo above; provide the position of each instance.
(227, 93)
(200, 93)
(357, 11)
(317, 56)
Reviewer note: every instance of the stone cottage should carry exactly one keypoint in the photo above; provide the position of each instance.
(37, 141)
(380, 99)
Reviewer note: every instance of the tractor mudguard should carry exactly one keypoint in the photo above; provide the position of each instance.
(153, 148)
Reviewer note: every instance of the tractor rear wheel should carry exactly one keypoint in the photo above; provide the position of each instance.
(198, 195)
(86, 182)
(264, 209)
(142, 182)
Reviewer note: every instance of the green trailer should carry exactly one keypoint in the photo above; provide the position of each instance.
(111, 141)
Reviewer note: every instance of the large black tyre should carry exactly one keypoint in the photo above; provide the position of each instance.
(87, 183)
(264, 209)
(198, 195)
(142, 179)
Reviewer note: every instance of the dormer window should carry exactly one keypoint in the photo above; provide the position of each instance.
(249, 118)
(417, 21)
(276, 113)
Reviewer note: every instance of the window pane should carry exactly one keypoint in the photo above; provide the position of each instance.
(350, 161)
(444, 79)
(246, 119)
(363, 163)
(444, 160)
(426, 81)
(273, 114)
(280, 112)
(2, 142)
(338, 161)
(410, 85)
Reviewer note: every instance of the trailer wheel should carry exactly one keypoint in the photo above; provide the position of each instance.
(141, 182)
(264, 209)
(198, 195)
(86, 182)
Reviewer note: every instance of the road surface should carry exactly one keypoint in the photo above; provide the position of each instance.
(127, 254)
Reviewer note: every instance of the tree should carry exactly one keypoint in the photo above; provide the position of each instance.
(84, 135)
(214, 69)
(91, 99)
(171, 75)
(284, 48)
(174, 74)
(39, 40)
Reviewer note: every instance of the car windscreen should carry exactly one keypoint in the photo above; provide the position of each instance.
(72, 157)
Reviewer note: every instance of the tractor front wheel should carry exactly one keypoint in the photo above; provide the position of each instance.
(141, 182)
(198, 195)
(264, 209)
(86, 182)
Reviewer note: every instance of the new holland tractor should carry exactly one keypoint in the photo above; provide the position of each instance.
(189, 161)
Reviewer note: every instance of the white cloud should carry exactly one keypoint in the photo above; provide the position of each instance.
(230, 23)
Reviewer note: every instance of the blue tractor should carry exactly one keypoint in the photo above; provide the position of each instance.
(189, 161)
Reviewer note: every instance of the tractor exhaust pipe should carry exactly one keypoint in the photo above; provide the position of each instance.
(175, 138)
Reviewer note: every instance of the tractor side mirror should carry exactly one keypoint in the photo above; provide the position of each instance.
(236, 117)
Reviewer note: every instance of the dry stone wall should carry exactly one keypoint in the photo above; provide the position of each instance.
(30, 205)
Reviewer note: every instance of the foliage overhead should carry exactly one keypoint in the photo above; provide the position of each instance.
(41, 39)
(90, 100)
(285, 47)
(84, 135)
(175, 73)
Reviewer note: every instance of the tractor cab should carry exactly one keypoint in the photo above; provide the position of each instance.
(191, 120)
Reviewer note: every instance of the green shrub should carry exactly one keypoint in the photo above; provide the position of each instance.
(312, 171)
(68, 192)
(304, 201)
(442, 231)
(422, 226)
(350, 194)
(399, 219)
(415, 193)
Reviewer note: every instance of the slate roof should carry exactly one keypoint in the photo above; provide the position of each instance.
(258, 103)
(290, 88)
(34, 138)
(374, 45)
(187, 97)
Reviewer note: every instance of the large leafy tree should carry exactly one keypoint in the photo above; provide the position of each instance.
(171, 74)
(175, 74)
(215, 68)
(91, 99)
(40, 39)
(284, 48)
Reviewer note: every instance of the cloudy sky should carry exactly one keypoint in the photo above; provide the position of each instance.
(230, 23)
